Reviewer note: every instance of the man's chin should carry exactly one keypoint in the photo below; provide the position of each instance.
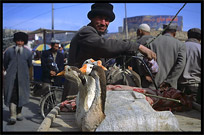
(102, 32)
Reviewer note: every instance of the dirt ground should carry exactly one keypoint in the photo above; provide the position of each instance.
(189, 120)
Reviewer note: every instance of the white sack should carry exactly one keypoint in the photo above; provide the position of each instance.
(129, 111)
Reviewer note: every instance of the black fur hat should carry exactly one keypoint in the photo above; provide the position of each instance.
(105, 9)
(21, 36)
(194, 33)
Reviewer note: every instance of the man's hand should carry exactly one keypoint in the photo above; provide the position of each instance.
(52, 73)
(148, 78)
(164, 86)
(147, 52)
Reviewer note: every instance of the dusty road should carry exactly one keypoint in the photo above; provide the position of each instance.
(32, 118)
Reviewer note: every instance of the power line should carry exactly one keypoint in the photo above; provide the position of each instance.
(68, 6)
(31, 18)
(14, 11)
(44, 14)
(12, 8)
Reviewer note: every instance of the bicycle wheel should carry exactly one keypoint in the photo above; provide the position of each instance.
(49, 101)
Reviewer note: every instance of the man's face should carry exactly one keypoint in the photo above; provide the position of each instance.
(20, 43)
(139, 33)
(100, 23)
(55, 47)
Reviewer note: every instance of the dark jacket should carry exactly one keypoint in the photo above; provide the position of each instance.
(137, 66)
(17, 64)
(46, 67)
(87, 43)
(143, 40)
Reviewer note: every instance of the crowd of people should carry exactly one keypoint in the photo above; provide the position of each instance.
(179, 62)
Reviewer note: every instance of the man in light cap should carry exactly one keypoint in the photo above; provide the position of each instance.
(52, 62)
(171, 58)
(143, 34)
(190, 80)
(17, 61)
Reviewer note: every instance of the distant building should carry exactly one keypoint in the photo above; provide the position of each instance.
(62, 37)
(155, 22)
(38, 38)
(120, 29)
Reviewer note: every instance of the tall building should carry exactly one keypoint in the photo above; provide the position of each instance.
(155, 22)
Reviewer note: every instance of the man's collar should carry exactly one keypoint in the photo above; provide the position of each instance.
(193, 40)
(168, 34)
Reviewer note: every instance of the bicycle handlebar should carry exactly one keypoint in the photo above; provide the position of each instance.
(148, 70)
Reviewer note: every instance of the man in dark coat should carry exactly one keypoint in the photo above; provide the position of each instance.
(17, 61)
(89, 42)
(190, 80)
(52, 62)
(171, 58)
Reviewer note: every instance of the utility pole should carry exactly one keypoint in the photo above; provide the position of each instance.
(52, 20)
(44, 39)
(126, 26)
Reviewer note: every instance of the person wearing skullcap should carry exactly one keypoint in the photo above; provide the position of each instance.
(190, 80)
(143, 36)
(171, 58)
(17, 60)
(143, 33)
(52, 62)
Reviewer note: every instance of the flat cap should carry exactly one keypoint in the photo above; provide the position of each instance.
(144, 27)
(170, 27)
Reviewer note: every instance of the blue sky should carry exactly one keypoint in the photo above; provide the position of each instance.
(72, 16)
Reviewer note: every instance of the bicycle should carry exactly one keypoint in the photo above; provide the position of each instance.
(51, 99)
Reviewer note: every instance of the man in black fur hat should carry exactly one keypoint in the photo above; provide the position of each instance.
(17, 61)
(90, 43)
